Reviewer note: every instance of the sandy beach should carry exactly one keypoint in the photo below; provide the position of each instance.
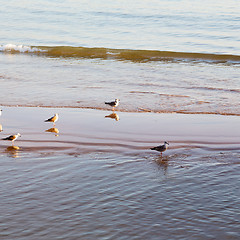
(83, 130)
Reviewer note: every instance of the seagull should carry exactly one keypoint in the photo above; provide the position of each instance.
(12, 137)
(53, 119)
(161, 148)
(114, 103)
(0, 112)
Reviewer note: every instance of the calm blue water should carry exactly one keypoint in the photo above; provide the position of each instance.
(176, 25)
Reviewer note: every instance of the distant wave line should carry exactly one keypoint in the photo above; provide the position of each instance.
(119, 54)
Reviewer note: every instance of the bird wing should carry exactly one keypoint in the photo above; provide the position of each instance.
(12, 137)
(50, 119)
(159, 148)
(110, 103)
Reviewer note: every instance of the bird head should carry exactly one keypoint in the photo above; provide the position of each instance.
(166, 143)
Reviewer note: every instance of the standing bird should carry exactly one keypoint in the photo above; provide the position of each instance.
(0, 112)
(53, 119)
(161, 148)
(12, 137)
(114, 103)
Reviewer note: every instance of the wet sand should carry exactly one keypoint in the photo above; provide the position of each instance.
(93, 177)
(83, 130)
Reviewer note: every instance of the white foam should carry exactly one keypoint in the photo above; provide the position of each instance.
(18, 48)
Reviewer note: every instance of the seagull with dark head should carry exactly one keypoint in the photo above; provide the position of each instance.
(12, 137)
(53, 119)
(161, 148)
(114, 103)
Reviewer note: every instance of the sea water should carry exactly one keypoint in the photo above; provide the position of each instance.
(99, 196)
(176, 25)
(156, 56)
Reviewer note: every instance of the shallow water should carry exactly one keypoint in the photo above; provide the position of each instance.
(111, 196)
(96, 178)
(159, 86)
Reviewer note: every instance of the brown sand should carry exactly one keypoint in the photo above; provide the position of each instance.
(83, 130)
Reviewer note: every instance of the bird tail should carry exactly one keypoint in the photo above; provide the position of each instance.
(153, 148)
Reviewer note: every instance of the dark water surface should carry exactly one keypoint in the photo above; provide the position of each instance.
(112, 196)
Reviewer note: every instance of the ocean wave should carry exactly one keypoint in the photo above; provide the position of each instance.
(12, 48)
(121, 54)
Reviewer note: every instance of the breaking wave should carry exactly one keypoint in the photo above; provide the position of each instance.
(120, 54)
(12, 48)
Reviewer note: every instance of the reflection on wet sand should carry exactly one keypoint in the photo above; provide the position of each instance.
(12, 151)
(53, 130)
(113, 116)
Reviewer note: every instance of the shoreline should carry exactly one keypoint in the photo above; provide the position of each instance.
(88, 130)
(140, 110)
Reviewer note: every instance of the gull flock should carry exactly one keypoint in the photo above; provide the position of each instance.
(54, 119)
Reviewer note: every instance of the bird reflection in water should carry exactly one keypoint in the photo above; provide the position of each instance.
(1, 128)
(13, 151)
(162, 163)
(53, 130)
(113, 116)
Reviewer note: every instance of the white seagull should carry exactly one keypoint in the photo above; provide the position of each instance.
(53, 119)
(12, 137)
(0, 112)
(161, 148)
(114, 103)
